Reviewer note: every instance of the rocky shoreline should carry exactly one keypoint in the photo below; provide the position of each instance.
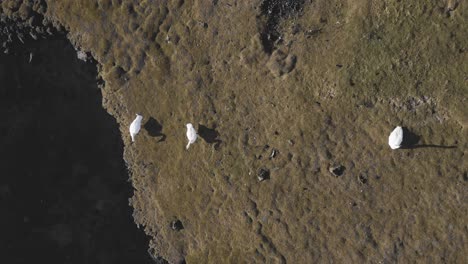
(64, 192)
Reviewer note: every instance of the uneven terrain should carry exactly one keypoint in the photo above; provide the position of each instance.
(293, 102)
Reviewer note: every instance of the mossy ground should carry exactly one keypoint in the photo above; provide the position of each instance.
(362, 67)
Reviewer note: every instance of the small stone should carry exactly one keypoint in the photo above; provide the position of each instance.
(33, 35)
(273, 153)
(177, 225)
(337, 170)
(362, 178)
(263, 174)
(81, 55)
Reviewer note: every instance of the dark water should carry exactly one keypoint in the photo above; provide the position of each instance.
(63, 185)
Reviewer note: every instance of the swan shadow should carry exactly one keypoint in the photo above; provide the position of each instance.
(410, 141)
(154, 129)
(210, 135)
(428, 146)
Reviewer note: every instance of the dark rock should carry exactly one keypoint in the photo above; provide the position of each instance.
(177, 225)
(337, 170)
(363, 179)
(263, 174)
(274, 11)
(155, 257)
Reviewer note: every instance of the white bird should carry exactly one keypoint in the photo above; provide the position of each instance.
(135, 126)
(395, 138)
(191, 134)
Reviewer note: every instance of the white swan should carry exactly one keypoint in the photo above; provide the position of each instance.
(135, 126)
(395, 138)
(191, 134)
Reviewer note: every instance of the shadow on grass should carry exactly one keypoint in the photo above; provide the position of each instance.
(410, 141)
(210, 135)
(154, 129)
